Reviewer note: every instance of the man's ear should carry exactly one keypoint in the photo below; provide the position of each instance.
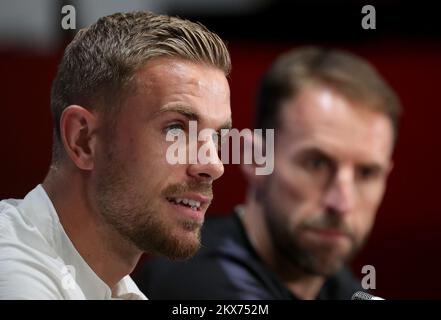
(391, 167)
(249, 170)
(78, 127)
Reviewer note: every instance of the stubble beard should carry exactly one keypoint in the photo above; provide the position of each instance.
(137, 217)
(287, 242)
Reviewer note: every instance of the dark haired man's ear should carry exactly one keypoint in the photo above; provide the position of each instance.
(78, 128)
(391, 167)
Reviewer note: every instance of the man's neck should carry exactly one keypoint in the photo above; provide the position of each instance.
(108, 254)
(303, 285)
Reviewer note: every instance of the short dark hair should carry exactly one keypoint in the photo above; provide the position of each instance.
(350, 75)
(98, 64)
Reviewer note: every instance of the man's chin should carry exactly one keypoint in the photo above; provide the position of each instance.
(188, 244)
(320, 263)
(181, 244)
(329, 269)
(327, 265)
(184, 250)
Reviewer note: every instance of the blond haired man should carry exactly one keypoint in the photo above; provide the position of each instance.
(122, 85)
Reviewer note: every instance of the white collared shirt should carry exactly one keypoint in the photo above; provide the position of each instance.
(38, 260)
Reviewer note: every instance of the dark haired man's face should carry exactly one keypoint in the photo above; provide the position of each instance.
(332, 158)
(135, 187)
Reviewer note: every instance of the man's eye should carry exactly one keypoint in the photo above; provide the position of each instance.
(175, 128)
(366, 173)
(316, 164)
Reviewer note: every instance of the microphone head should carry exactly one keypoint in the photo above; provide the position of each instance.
(360, 295)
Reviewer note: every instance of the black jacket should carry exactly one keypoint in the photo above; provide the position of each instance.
(227, 267)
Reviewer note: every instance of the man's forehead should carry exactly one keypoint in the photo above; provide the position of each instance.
(327, 118)
(169, 72)
(198, 92)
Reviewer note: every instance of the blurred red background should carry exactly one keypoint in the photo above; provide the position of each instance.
(406, 240)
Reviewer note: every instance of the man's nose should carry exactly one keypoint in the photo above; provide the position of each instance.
(209, 171)
(207, 168)
(340, 194)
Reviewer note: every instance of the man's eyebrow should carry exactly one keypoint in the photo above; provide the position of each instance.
(376, 166)
(314, 152)
(227, 125)
(182, 109)
(190, 114)
(373, 164)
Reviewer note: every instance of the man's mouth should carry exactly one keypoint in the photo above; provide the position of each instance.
(330, 234)
(193, 204)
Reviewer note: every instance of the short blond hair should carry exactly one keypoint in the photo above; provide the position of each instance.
(350, 75)
(100, 61)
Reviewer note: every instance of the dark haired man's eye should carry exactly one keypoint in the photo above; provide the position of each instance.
(316, 163)
(366, 172)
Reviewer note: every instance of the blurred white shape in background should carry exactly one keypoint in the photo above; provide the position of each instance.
(89, 11)
(28, 24)
(36, 24)
(217, 7)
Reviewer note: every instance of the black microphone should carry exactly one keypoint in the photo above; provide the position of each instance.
(360, 295)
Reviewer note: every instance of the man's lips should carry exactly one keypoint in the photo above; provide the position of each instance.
(331, 233)
(190, 205)
(195, 201)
